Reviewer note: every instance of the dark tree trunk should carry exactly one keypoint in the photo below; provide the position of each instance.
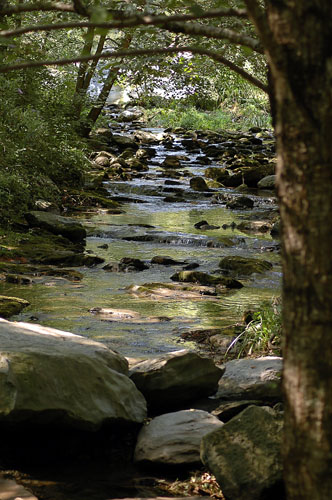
(298, 41)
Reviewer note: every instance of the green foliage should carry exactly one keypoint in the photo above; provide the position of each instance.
(263, 334)
(40, 152)
(230, 116)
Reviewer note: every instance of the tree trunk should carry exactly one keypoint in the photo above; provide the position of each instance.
(299, 51)
(102, 97)
(80, 91)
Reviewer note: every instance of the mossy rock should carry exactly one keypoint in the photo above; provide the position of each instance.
(48, 249)
(57, 225)
(212, 184)
(205, 279)
(198, 184)
(68, 258)
(35, 246)
(19, 250)
(9, 306)
(244, 266)
(18, 279)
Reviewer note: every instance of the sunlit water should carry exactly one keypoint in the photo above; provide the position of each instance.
(58, 303)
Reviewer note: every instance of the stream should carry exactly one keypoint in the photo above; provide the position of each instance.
(155, 221)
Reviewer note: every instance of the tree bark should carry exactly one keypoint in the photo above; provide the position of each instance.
(298, 42)
(80, 91)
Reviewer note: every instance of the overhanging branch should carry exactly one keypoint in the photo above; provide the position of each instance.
(45, 6)
(140, 52)
(138, 20)
(35, 7)
(196, 29)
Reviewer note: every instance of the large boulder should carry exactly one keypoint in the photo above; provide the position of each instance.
(57, 224)
(175, 438)
(49, 376)
(258, 378)
(245, 455)
(173, 380)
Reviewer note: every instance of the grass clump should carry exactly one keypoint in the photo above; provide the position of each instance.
(262, 335)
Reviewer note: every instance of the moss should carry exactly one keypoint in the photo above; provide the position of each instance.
(205, 279)
(244, 266)
(11, 305)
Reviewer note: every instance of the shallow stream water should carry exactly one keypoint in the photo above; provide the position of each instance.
(66, 305)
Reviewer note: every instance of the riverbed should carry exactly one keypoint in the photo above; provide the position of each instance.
(154, 221)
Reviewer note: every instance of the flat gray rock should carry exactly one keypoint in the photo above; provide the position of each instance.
(258, 378)
(11, 490)
(245, 455)
(61, 377)
(174, 438)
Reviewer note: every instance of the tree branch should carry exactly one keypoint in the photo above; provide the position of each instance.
(44, 6)
(38, 6)
(196, 29)
(132, 21)
(140, 52)
(258, 18)
(80, 8)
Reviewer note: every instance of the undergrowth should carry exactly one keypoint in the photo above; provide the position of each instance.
(230, 117)
(39, 150)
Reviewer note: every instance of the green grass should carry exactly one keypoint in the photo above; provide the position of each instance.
(262, 335)
(237, 117)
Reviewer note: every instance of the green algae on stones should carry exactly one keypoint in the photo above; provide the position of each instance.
(205, 279)
(57, 224)
(11, 305)
(244, 266)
